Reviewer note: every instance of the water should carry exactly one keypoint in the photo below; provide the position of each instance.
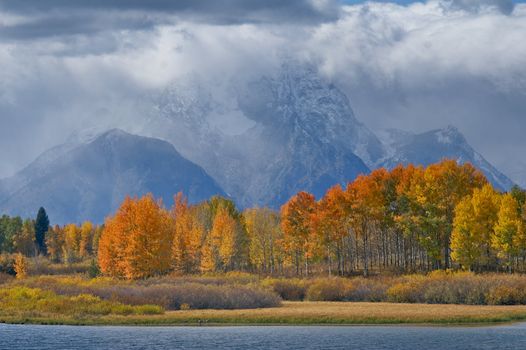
(253, 337)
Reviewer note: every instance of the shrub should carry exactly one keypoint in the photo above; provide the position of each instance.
(17, 300)
(21, 266)
(329, 289)
(506, 295)
(368, 289)
(288, 289)
(406, 291)
(170, 296)
(5, 278)
(7, 264)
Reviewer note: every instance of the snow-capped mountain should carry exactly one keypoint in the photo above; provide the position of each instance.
(260, 140)
(403, 147)
(88, 180)
(267, 138)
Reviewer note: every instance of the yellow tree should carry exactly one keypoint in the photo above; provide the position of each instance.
(86, 239)
(475, 218)
(264, 232)
(444, 185)
(21, 266)
(188, 233)
(55, 243)
(71, 243)
(507, 229)
(465, 249)
(225, 225)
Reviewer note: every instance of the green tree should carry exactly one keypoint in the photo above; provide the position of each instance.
(41, 228)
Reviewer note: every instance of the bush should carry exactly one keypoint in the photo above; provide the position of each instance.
(293, 289)
(5, 278)
(506, 295)
(329, 289)
(7, 264)
(40, 265)
(369, 289)
(21, 300)
(168, 295)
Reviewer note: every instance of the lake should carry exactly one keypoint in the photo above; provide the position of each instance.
(29, 337)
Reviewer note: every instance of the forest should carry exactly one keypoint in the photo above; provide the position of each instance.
(410, 219)
(440, 234)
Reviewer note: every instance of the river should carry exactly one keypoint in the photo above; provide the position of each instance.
(29, 337)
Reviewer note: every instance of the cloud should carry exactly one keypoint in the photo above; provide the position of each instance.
(52, 18)
(477, 6)
(66, 64)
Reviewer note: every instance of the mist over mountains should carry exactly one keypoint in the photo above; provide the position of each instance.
(258, 141)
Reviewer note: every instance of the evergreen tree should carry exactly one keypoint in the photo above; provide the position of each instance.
(41, 228)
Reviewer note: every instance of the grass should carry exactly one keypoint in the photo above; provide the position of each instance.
(437, 298)
(302, 313)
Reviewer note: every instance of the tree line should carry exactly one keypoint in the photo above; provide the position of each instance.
(408, 219)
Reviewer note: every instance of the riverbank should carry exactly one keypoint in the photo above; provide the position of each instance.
(301, 313)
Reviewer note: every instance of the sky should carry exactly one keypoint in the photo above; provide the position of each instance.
(66, 65)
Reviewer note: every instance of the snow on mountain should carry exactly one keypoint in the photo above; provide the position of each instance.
(265, 139)
(89, 180)
(430, 147)
(260, 140)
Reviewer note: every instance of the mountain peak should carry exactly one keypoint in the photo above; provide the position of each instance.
(450, 135)
(89, 181)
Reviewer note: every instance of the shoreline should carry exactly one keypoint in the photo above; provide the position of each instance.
(302, 314)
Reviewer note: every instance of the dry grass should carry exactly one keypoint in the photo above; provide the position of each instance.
(357, 313)
(337, 313)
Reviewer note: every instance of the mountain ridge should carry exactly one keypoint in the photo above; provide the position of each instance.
(89, 181)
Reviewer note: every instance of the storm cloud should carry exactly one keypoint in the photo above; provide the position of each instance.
(68, 65)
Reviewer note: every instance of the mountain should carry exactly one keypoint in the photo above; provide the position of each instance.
(261, 140)
(431, 147)
(87, 181)
(266, 138)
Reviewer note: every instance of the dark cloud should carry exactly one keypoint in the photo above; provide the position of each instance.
(68, 62)
(504, 6)
(70, 17)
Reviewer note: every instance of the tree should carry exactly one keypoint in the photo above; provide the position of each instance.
(443, 186)
(224, 232)
(137, 241)
(24, 242)
(367, 199)
(297, 228)
(55, 243)
(188, 234)
(10, 227)
(21, 266)
(265, 236)
(71, 245)
(41, 228)
(330, 222)
(506, 229)
(463, 244)
(86, 239)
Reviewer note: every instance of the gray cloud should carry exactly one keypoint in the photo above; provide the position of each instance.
(74, 64)
(62, 17)
(504, 6)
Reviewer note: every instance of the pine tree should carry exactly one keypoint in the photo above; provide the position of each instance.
(41, 228)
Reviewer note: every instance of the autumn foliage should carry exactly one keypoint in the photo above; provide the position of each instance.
(408, 219)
